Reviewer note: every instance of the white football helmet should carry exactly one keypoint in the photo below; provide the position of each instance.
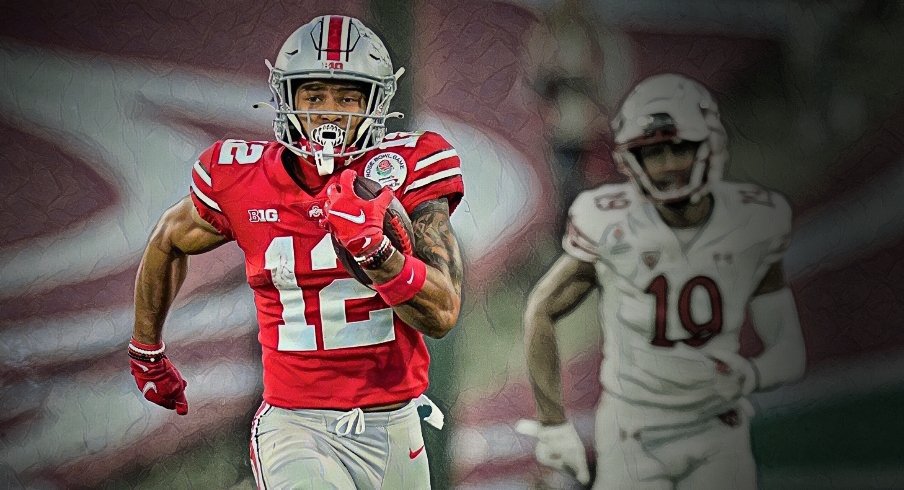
(332, 47)
(671, 107)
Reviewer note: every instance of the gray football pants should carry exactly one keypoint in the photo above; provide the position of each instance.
(327, 449)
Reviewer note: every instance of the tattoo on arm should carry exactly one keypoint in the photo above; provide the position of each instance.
(435, 243)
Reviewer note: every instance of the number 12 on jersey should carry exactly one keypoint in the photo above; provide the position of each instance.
(295, 333)
(701, 333)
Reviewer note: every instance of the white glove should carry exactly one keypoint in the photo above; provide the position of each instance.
(735, 375)
(559, 447)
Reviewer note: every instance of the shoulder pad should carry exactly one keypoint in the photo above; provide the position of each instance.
(606, 203)
(760, 203)
(592, 212)
(216, 168)
(768, 215)
(419, 166)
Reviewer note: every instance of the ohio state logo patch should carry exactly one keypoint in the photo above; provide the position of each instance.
(389, 169)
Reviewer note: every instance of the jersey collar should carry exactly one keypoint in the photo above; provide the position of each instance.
(293, 174)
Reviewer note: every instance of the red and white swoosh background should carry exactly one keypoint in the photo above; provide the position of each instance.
(104, 106)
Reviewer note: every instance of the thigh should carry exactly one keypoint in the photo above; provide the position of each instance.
(407, 466)
(289, 452)
(729, 461)
(622, 463)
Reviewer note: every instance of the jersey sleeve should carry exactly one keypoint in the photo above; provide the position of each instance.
(204, 191)
(435, 172)
(577, 241)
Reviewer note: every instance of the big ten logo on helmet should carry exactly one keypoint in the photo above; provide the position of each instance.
(387, 168)
(263, 215)
(333, 65)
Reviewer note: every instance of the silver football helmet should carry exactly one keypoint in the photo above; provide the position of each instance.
(332, 47)
(671, 107)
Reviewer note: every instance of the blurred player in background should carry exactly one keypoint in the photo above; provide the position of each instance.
(342, 362)
(679, 256)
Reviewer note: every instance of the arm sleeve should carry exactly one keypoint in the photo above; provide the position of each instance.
(204, 191)
(435, 173)
(774, 316)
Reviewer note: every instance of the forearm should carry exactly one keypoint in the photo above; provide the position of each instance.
(160, 276)
(434, 309)
(775, 318)
(544, 369)
(565, 286)
(179, 233)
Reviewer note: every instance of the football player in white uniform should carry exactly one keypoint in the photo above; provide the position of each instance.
(680, 256)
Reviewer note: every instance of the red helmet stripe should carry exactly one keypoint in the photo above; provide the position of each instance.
(334, 38)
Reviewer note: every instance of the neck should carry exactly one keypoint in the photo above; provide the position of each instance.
(303, 172)
(684, 214)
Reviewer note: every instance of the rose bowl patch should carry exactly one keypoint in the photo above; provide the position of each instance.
(387, 168)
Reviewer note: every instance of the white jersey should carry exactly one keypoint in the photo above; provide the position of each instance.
(669, 296)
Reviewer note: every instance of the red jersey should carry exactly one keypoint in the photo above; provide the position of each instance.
(327, 340)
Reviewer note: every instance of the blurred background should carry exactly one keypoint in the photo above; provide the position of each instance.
(104, 106)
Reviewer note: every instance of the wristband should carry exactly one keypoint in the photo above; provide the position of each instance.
(146, 352)
(376, 258)
(404, 286)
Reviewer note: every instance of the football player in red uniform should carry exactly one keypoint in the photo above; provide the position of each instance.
(345, 366)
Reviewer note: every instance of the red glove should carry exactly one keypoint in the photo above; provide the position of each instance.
(157, 377)
(355, 222)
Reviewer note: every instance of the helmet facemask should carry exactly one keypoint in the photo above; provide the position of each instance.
(361, 60)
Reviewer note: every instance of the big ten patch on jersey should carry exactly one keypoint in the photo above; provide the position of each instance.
(223, 176)
(263, 215)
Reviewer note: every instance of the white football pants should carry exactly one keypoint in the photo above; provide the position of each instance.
(712, 454)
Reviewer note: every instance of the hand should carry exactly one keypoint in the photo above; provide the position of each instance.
(161, 383)
(559, 447)
(355, 222)
(735, 375)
